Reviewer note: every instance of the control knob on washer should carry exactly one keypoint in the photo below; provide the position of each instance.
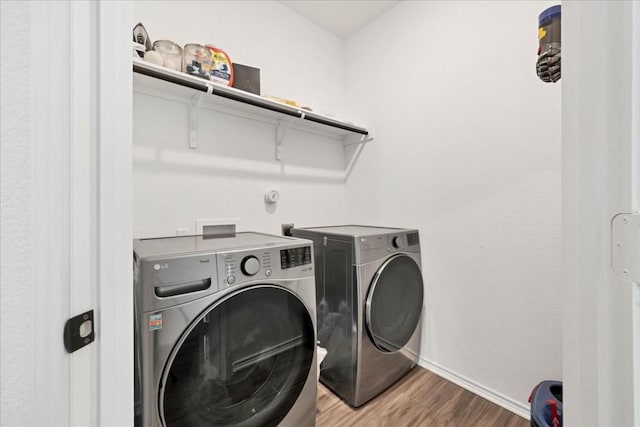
(250, 265)
(397, 242)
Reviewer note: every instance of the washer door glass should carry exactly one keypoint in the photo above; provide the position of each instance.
(244, 362)
(394, 303)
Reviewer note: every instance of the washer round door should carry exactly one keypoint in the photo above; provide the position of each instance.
(243, 361)
(394, 303)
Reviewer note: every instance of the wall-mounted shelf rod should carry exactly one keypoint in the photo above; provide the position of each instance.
(248, 99)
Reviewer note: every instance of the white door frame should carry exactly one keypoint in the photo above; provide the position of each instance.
(101, 375)
(636, 195)
(600, 179)
(81, 209)
(115, 215)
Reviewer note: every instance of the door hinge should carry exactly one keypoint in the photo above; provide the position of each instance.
(79, 331)
(625, 246)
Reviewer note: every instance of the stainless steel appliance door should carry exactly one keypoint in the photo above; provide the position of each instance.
(244, 361)
(394, 303)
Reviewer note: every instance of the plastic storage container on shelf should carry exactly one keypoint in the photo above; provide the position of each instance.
(221, 66)
(171, 54)
(196, 61)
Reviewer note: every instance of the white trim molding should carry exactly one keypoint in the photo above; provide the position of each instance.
(49, 211)
(115, 218)
(83, 193)
(635, 194)
(485, 392)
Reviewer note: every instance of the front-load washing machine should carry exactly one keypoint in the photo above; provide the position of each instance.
(369, 306)
(225, 331)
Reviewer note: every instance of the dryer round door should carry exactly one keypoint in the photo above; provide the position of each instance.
(394, 303)
(243, 361)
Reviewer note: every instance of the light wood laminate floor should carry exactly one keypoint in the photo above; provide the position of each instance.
(419, 399)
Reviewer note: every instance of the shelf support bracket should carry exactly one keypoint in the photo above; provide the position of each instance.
(362, 139)
(194, 118)
(282, 129)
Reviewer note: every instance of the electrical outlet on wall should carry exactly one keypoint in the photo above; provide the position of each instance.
(286, 229)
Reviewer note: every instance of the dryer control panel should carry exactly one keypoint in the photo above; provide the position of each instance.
(402, 241)
(267, 264)
(371, 248)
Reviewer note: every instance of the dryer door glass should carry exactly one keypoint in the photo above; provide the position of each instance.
(243, 362)
(394, 303)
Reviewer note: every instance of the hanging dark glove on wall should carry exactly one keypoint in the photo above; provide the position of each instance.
(548, 64)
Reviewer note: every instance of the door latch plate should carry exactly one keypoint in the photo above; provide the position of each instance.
(79, 331)
(625, 246)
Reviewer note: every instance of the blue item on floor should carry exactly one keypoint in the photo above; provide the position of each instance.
(546, 404)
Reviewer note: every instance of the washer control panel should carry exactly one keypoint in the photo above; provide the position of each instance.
(237, 267)
(294, 257)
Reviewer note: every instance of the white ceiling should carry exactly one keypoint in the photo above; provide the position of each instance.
(340, 17)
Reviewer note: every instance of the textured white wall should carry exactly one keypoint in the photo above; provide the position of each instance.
(467, 150)
(227, 176)
(16, 301)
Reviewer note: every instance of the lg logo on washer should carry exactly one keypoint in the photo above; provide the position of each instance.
(158, 267)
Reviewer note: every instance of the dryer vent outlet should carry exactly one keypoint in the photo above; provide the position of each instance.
(286, 229)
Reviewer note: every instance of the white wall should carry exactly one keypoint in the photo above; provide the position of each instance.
(227, 176)
(16, 335)
(467, 150)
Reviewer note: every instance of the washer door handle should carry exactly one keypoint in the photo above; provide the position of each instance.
(182, 288)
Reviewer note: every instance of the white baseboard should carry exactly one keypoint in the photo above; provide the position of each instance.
(482, 391)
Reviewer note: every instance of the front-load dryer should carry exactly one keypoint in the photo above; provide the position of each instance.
(225, 331)
(369, 306)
